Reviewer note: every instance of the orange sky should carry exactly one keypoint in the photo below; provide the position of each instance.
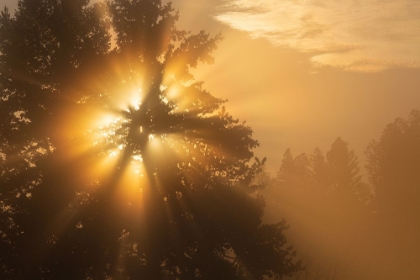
(302, 91)
(302, 73)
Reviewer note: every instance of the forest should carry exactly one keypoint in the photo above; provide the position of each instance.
(345, 226)
(115, 163)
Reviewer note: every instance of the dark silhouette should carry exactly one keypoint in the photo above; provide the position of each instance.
(346, 186)
(327, 204)
(315, 179)
(343, 227)
(320, 171)
(178, 201)
(393, 169)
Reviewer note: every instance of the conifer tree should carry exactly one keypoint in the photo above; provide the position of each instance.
(118, 164)
(319, 169)
(393, 164)
(344, 175)
(393, 169)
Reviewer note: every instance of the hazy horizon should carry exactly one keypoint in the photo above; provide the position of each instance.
(301, 74)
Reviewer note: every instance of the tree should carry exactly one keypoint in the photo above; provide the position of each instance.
(44, 48)
(325, 197)
(346, 181)
(294, 172)
(118, 164)
(393, 169)
(320, 170)
(393, 163)
(290, 189)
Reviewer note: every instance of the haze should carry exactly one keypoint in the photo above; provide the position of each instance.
(303, 74)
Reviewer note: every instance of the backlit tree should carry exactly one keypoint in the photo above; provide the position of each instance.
(117, 163)
(393, 165)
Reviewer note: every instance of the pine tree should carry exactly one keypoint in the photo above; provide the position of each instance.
(319, 169)
(393, 164)
(294, 172)
(393, 169)
(344, 175)
(118, 164)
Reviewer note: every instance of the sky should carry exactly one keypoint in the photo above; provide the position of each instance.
(303, 72)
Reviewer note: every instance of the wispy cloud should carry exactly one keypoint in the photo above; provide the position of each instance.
(356, 35)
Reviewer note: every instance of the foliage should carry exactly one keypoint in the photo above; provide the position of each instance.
(393, 164)
(393, 169)
(325, 201)
(177, 200)
(335, 179)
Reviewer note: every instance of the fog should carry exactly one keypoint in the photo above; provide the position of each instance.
(329, 90)
(272, 82)
(342, 227)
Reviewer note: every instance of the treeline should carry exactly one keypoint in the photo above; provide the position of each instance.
(340, 221)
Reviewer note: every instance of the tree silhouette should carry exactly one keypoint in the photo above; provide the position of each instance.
(345, 179)
(323, 196)
(319, 167)
(294, 172)
(44, 48)
(115, 162)
(393, 163)
(393, 169)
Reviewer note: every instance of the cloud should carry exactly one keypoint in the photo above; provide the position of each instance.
(355, 35)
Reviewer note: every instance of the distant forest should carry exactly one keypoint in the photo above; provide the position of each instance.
(115, 163)
(346, 219)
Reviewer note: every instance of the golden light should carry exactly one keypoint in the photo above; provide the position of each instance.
(172, 91)
(138, 158)
(128, 96)
(162, 87)
(139, 126)
(164, 99)
(110, 132)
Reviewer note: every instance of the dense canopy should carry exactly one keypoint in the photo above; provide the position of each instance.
(115, 162)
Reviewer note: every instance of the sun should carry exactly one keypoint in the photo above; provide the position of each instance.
(136, 124)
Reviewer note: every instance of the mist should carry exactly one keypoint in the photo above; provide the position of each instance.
(296, 106)
(182, 155)
(345, 226)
